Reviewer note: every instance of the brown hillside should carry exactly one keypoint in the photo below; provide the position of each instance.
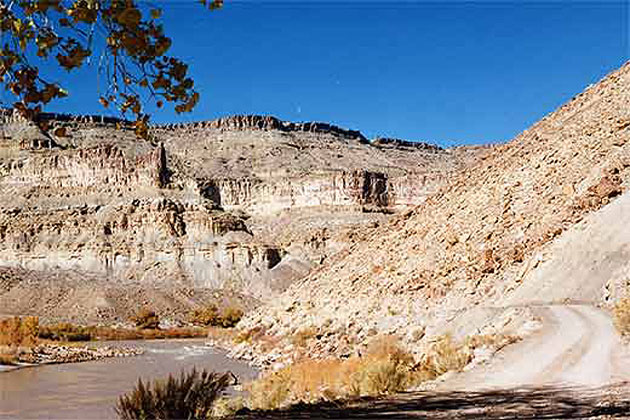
(469, 242)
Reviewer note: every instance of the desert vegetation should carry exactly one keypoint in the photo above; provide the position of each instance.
(189, 396)
(27, 332)
(621, 313)
(211, 316)
(387, 367)
(16, 336)
(65, 332)
(19, 332)
(146, 318)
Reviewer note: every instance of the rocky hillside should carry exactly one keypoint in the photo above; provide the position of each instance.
(472, 243)
(244, 203)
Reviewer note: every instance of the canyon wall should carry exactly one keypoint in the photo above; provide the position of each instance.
(87, 196)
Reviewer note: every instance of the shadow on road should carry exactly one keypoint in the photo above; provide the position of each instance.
(538, 403)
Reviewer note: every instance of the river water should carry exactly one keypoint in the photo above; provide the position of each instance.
(90, 390)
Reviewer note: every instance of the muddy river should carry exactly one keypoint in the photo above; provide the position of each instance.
(90, 390)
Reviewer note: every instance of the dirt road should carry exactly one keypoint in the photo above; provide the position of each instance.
(577, 346)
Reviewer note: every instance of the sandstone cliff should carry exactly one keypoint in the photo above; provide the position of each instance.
(195, 207)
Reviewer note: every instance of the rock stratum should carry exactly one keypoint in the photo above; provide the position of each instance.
(538, 220)
(243, 204)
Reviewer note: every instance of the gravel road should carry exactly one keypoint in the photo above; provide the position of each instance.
(577, 346)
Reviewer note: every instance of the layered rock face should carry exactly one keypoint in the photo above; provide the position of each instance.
(263, 165)
(477, 239)
(195, 207)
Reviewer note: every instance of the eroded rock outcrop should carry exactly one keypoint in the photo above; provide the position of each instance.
(266, 122)
(245, 203)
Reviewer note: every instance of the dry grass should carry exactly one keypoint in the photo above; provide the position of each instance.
(302, 337)
(621, 315)
(249, 336)
(386, 368)
(259, 336)
(443, 355)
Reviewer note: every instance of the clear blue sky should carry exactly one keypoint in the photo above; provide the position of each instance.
(447, 72)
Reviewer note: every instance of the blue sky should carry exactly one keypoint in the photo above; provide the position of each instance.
(448, 72)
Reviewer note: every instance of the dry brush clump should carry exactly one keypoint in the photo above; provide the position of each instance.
(189, 396)
(16, 336)
(386, 368)
(146, 318)
(443, 355)
(66, 332)
(19, 332)
(621, 314)
(109, 333)
(210, 316)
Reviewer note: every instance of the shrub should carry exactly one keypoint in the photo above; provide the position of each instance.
(65, 332)
(19, 332)
(386, 368)
(227, 406)
(621, 313)
(210, 317)
(444, 355)
(146, 319)
(191, 396)
(8, 359)
(249, 336)
(230, 317)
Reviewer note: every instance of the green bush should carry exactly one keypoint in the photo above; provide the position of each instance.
(191, 396)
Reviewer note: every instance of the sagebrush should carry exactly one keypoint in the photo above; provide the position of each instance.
(189, 396)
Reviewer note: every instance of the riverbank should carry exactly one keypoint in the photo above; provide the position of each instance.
(46, 354)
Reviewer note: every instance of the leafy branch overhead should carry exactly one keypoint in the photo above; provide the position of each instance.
(124, 38)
